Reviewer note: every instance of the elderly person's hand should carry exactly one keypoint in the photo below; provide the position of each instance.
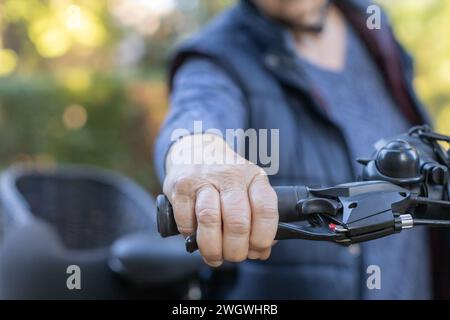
(231, 206)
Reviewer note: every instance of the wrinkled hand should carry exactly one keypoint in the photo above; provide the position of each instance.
(231, 206)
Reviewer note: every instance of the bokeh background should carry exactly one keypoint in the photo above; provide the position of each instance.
(82, 81)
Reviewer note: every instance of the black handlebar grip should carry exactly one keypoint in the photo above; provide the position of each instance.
(288, 197)
(167, 226)
(164, 217)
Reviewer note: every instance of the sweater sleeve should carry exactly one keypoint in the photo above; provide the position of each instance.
(203, 97)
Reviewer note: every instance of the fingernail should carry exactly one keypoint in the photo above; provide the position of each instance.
(213, 264)
(253, 254)
(265, 255)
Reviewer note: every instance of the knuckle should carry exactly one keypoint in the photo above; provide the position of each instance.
(238, 224)
(229, 179)
(234, 195)
(266, 215)
(265, 202)
(208, 217)
(182, 185)
(206, 193)
(255, 173)
(266, 211)
(260, 180)
(230, 186)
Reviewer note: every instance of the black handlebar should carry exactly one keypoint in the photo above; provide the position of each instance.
(288, 197)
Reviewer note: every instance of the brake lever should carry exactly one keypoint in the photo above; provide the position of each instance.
(345, 214)
(288, 231)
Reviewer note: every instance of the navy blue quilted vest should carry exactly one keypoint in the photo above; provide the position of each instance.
(313, 150)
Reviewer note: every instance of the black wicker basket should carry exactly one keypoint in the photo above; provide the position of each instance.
(57, 217)
(88, 207)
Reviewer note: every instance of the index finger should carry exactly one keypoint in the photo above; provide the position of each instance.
(264, 206)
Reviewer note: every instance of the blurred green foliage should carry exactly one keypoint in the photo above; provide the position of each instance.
(82, 81)
(44, 123)
(423, 26)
